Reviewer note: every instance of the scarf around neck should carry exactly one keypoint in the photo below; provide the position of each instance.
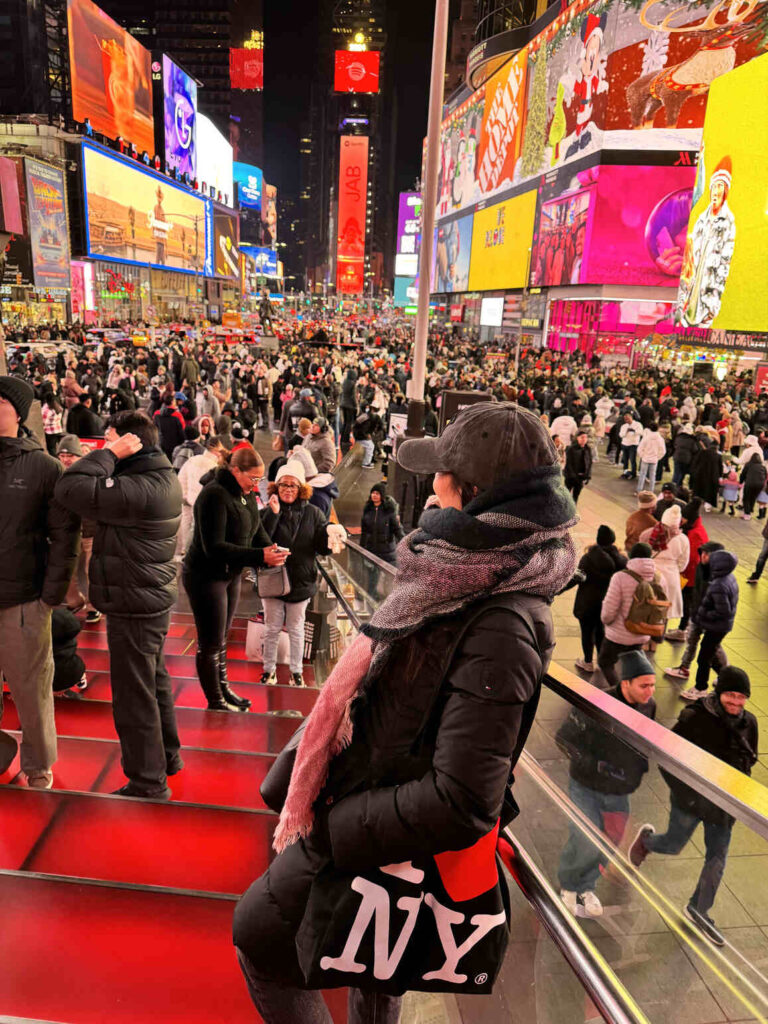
(512, 538)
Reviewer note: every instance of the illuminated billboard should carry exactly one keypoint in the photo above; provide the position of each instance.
(246, 67)
(180, 118)
(226, 256)
(492, 312)
(111, 76)
(47, 222)
(566, 206)
(501, 237)
(135, 216)
(409, 224)
(723, 279)
(356, 71)
(451, 255)
(250, 185)
(266, 259)
(269, 215)
(10, 207)
(214, 161)
(353, 192)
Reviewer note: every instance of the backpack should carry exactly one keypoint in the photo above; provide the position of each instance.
(649, 609)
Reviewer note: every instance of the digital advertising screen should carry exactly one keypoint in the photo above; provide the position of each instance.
(269, 215)
(135, 216)
(451, 255)
(226, 255)
(409, 224)
(266, 259)
(501, 238)
(639, 226)
(356, 71)
(406, 291)
(246, 67)
(250, 185)
(111, 76)
(10, 212)
(492, 311)
(180, 118)
(47, 221)
(353, 193)
(214, 160)
(723, 283)
(566, 204)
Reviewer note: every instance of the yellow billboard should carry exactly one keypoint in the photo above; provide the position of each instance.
(501, 242)
(723, 281)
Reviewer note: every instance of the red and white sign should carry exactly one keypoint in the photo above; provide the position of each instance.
(353, 191)
(457, 312)
(356, 71)
(246, 68)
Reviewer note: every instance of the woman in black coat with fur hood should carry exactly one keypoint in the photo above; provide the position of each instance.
(598, 563)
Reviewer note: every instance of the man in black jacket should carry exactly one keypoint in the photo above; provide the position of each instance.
(578, 464)
(82, 421)
(38, 545)
(131, 491)
(719, 724)
(604, 771)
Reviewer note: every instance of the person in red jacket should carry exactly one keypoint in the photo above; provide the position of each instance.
(694, 529)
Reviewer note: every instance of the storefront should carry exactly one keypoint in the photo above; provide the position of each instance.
(25, 306)
(120, 291)
(176, 296)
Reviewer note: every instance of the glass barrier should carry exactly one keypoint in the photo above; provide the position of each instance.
(365, 580)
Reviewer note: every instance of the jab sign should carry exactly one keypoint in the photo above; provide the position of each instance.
(353, 202)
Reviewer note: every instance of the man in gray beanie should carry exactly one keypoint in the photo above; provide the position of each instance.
(719, 724)
(604, 771)
(38, 545)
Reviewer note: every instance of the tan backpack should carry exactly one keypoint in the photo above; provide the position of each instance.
(649, 609)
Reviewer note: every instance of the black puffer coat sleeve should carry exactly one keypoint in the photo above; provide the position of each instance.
(495, 672)
(63, 530)
(211, 514)
(83, 489)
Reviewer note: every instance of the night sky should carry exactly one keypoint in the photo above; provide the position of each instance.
(290, 30)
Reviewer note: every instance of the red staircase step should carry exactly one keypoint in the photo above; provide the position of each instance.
(183, 666)
(180, 846)
(30, 818)
(263, 698)
(211, 730)
(121, 955)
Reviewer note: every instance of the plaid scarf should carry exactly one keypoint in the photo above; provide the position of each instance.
(513, 537)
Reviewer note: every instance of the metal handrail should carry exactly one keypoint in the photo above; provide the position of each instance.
(603, 987)
(732, 790)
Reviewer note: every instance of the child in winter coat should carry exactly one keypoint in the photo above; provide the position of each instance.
(729, 490)
(694, 631)
(715, 617)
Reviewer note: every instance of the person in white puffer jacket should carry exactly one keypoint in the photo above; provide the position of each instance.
(650, 452)
(190, 477)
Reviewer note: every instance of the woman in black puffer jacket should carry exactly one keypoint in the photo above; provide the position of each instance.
(380, 528)
(228, 537)
(599, 563)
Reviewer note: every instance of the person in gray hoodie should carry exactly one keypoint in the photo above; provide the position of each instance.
(616, 604)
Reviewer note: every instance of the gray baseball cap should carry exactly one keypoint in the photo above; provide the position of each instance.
(482, 445)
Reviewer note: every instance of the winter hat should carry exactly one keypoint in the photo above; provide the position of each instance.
(672, 516)
(381, 489)
(691, 511)
(605, 536)
(646, 499)
(305, 393)
(669, 488)
(292, 468)
(733, 680)
(18, 393)
(635, 663)
(722, 173)
(70, 444)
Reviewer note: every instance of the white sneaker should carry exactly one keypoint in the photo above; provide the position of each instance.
(585, 666)
(40, 780)
(570, 901)
(677, 673)
(675, 635)
(693, 694)
(746, 516)
(589, 905)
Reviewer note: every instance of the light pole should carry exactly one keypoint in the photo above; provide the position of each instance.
(429, 202)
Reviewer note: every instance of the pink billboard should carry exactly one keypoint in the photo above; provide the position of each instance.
(640, 225)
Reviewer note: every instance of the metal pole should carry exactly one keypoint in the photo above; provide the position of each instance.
(429, 202)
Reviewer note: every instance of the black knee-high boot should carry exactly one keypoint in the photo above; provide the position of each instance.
(241, 703)
(207, 664)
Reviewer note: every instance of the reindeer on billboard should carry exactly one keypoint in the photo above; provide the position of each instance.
(715, 55)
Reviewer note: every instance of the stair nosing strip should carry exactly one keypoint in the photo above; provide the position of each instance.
(103, 883)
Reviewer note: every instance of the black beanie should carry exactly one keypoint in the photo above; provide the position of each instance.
(733, 680)
(641, 550)
(605, 536)
(18, 393)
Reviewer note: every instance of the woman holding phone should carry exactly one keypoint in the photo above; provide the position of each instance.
(228, 537)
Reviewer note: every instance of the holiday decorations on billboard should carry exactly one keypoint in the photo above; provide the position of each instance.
(269, 215)
(356, 71)
(226, 255)
(353, 191)
(111, 76)
(639, 228)
(250, 185)
(214, 161)
(135, 216)
(180, 118)
(451, 255)
(723, 278)
(47, 223)
(501, 237)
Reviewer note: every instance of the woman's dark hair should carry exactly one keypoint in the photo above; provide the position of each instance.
(244, 459)
(168, 399)
(757, 457)
(131, 421)
(190, 433)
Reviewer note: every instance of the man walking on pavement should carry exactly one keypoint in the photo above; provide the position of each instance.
(131, 491)
(38, 546)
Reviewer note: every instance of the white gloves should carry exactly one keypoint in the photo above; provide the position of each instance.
(337, 537)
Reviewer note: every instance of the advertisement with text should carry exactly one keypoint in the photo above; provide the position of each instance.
(47, 220)
(226, 255)
(353, 187)
(180, 113)
(501, 236)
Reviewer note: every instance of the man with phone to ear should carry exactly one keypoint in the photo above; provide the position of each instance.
(131, 491)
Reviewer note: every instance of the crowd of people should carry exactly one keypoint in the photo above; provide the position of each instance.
(153, 459)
